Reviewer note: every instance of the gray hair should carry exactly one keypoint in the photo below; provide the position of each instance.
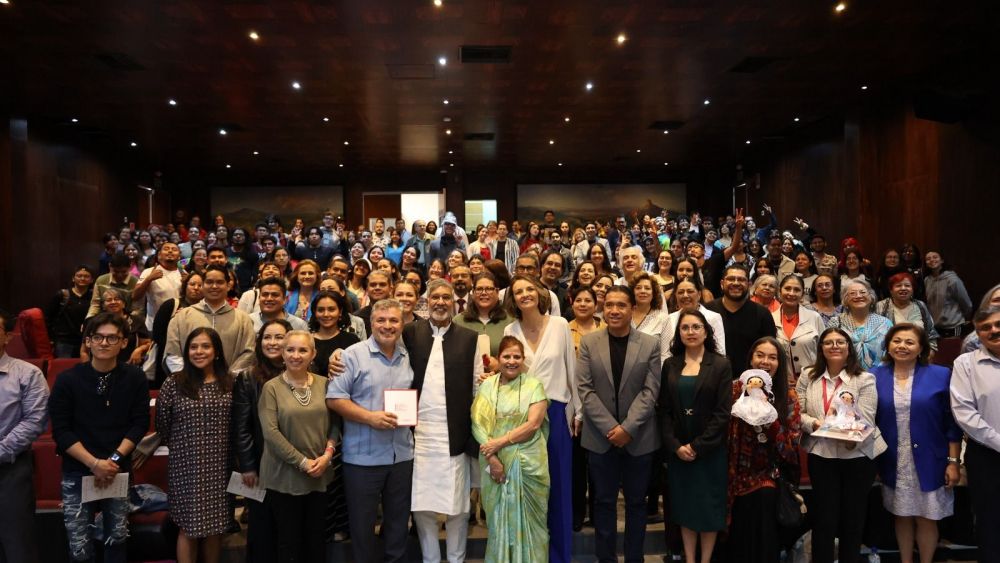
(303, 333)
(384, 304)
(439, 282)
(760, 281)
(984, 313)
(847, 287)
(989, 296)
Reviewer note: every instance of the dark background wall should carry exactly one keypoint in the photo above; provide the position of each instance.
(881, 174)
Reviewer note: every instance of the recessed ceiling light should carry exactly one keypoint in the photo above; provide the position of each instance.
(444, 171)
(442, 61)
(326, 120)
(255, 153)
(559, 164)
(840, 7)
(172, 102)
(451, 151)
(5, 2)
(341, 165)
(223, 132)
(589, 86)
(796, 120)
(228, 166)
(707, 101)
(566, 119)
(748, 141)
(133, 144)
(446, 119)
(254, 35)
(638, 150)
(447, 131)
(347, 142)
(75, 120)
(666, 132)
(552, 141)
(296, 85)
(621, 38)
(438, 3)
(452, 164)
(865, 87)
(666, 164)
(445, 101)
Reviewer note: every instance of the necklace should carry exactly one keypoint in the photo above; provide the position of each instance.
(302, 394)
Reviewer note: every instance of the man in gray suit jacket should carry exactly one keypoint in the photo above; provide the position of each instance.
(618, 373)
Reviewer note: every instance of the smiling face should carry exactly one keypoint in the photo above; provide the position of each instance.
(327, 312)
(201, 352)
(602, 285)
(214, 288)
(892, 259)
(618, 310)
(834, 347)
(386, 325)
(685, 270)
(456, 258)
(584, 305)
(902, 291)
(823, 287)
(378, 286)
(802, 263)
(441, 303)
(766, 289)
(687, 295)
(988, 331)
(904, 347)
(106, 343)
(692, 330)
(375, 254)
(511, 362)
(407, 297)
(586, 274)
(435, 271)
(552, 268)
(112, 302)
(298, 353)
(525, 295)
(272, 299)
(272, 343)
(664, 262)
(765, 356)
(933, 261)
(643, 293)
(857, 297)
(409, 257)
(307, 275)
(791, 291)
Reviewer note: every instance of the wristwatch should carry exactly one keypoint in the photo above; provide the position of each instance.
(116, 456)
(954, 460)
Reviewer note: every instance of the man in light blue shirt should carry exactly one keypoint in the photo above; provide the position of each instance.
(378, 455)
(24, 398)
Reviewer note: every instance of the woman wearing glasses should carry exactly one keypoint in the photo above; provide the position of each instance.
(486, 315)
(867, 329)
(694, 404)
(841, 471)
(137, 341)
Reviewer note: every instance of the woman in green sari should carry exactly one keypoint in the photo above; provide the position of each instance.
(509, 420)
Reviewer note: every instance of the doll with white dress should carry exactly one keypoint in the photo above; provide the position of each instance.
(754, 405)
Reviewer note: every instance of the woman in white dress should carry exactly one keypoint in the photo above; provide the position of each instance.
(549, 356)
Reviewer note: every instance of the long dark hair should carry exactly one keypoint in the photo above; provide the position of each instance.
(190, 379)
(677, 345)
(853, 365)
(779, 383)
(606, 263)
(264, 368)
(184, 288)
(343, 323)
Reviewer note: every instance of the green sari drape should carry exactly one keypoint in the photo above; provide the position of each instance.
(517, 509)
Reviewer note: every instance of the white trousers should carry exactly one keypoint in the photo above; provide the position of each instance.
(457, 529)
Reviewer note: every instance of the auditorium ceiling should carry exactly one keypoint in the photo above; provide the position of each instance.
(385, 85)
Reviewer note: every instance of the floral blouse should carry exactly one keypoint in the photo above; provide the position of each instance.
(750, 466)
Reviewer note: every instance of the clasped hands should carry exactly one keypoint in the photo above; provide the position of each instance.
(618, 437)
(686, 453)
(104, 473)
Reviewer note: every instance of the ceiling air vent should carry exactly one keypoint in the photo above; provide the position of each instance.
(489, 54)
(119, 61)
(666, 125)
(480, 136)
(751, 65)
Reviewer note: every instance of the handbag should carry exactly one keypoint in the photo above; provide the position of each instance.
(790, 507)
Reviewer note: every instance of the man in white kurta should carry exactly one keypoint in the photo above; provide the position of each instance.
(441, 481)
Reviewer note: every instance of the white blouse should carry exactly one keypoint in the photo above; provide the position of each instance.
(553, 362)
(670, 328)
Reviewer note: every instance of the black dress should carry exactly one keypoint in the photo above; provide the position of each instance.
(336, 513)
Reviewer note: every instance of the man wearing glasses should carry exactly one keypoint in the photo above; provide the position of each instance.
(745, 321)
(975, 402)
(100, 411)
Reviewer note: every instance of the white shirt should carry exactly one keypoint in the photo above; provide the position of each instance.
(670, 328)
(553, 362)
(159, 291)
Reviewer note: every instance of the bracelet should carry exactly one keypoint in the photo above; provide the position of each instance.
(328, 449)
(509, 441)
(93, 465)
(953, 460)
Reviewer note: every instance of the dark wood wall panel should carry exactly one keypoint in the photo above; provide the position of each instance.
(888, 177)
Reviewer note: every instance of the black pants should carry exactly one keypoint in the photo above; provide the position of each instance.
(612, 471)
(17, 511)
(583, 503)
(983, 467)
(839, 506)
(261, 533)
(366, 487)
(753, 534)
(299, 521)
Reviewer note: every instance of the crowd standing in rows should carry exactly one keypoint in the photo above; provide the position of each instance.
(695, 359)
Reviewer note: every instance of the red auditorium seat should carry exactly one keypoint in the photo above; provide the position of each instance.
(31, 324)
(37, 362)
(948, 350)
(48, 475)
(57, 366)
(16, 347)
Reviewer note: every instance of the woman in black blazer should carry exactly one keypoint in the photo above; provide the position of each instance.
(695, 400)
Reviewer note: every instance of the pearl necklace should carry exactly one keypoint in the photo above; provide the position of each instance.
(302, 398)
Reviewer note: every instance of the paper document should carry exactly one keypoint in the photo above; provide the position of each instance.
(402, 403)
(117, 489)
(237, 487)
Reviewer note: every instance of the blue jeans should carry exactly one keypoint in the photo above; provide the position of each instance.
(79, 520)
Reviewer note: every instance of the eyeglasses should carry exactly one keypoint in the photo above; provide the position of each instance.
(484, 290)
(858, 293)
(524, 269)
(692, 328)
(986, 327)
(734, 279)
(834, 343)
(111, 339)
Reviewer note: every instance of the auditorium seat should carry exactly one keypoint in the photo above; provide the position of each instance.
(948, 350)
(37, 362)
(16, 347)
(31, 325)
(57, 366)
(47, 475)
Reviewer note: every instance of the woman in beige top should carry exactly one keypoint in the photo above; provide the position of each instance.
(299, 439)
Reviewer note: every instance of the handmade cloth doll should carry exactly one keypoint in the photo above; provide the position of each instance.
(754, 405)
(844, 413)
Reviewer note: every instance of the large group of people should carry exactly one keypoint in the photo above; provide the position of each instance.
(364, 379)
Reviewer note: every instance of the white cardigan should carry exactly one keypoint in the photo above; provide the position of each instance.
(802, 347)
(714, 320)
